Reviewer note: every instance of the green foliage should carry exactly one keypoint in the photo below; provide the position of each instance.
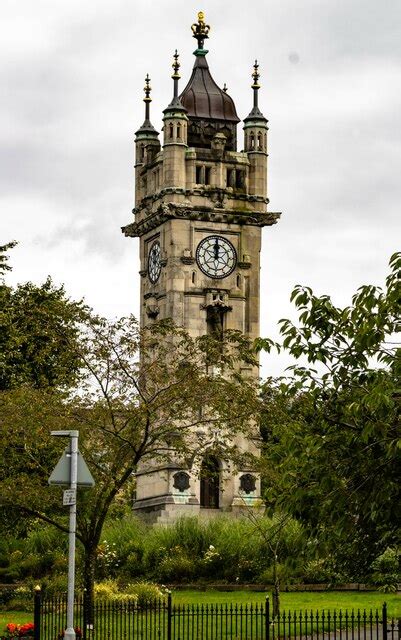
(126, 410)
(143, 593)
(44, 538)
(320, 570)
(332, 429)
(106, 589)
(107, 562)
(387, 570)
(4, 257)
(223, 549)
(175, 566)
(39, 327)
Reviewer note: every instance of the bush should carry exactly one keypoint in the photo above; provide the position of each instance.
(320, 571)
(175, 566)
(21, 600)
(6, 595)
(144, 592)
(106, 590)
(45, 539)
(51, 586)
(133, 566)
(126, 538)
(386, 570)
(285, 574)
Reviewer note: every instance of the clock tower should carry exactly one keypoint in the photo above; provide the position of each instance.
(200, 205)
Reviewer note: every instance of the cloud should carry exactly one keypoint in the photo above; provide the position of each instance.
(72, 77)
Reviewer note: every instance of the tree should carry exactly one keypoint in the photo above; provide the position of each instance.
(332, 429)
(38, 324)
(129, 410)
(4, 257)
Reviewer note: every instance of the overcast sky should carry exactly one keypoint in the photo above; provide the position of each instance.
(72, 78)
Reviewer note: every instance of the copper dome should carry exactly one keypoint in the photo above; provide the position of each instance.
(203, 99)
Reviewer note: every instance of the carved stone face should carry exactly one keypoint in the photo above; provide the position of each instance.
(216, 257)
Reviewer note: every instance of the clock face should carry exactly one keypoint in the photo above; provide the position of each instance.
(154, 262)
(216, 256)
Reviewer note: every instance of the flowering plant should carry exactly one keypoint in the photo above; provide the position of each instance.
(19, 630)
(26, 629)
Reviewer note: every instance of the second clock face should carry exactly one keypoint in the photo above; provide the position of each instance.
(154, 262)
(216, 256)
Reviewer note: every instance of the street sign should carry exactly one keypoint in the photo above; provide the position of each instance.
(61, 473)
(69, 497)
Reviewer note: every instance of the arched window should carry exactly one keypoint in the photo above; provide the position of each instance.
(171, 131)
(178, 130)
(259, 141)
(238, 281)
(252, 140)
(193, 277)
(210, 483)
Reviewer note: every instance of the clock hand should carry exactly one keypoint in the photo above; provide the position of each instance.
(216, 249)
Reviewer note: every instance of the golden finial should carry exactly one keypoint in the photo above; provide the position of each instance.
(147, 89)
(176, 65)
(200, 29)
(255, 76)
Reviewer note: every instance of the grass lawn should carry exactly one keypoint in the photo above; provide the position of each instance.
(18, 617)
(299, 600)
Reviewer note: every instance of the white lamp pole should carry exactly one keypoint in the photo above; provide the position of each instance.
(69, 633)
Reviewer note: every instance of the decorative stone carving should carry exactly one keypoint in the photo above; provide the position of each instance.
(219, 198)
(181, 481)
(152, 311)
(247, 483)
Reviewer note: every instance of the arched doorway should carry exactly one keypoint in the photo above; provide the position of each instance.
(210, 483)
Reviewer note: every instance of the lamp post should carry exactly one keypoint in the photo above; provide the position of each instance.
(69, 633)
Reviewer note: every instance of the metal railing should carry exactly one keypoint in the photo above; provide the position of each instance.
(164, 620)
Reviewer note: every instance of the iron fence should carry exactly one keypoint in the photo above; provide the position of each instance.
(164, 620)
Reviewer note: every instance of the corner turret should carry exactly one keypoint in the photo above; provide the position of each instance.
(255, 141)
(175, 131)
(147, 145)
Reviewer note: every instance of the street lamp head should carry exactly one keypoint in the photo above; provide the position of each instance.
(65, 434)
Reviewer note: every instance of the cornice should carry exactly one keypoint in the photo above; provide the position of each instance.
(168, 211)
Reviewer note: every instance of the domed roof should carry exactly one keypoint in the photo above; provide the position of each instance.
(203, 99)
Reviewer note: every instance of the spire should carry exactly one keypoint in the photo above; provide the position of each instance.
(176, 76)
(256, 85)
(200, 31)
(175, 104)
(256, 113)
(147, 127)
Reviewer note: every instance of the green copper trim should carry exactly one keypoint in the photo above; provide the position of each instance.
(200, 52)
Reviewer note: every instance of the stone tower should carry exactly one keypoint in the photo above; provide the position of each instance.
(200, 206)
